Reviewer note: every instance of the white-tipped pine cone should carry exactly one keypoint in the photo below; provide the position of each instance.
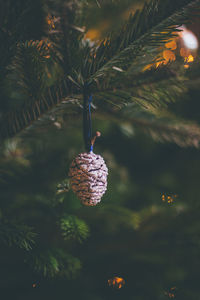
(88, 177)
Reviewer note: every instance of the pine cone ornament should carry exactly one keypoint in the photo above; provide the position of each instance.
(88, 177)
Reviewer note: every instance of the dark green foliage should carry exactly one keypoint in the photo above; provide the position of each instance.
(44, 71)
(13, 234)
(15, 15)
(54, 262)
(39, 216)
(74, 228)
(43, 76)
(132, 232)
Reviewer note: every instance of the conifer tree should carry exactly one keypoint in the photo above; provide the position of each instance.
(53, 55)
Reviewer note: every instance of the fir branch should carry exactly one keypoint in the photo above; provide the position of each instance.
(74, 229)
(28, 74)
(54, 262)
(182, 134)
(67, 13)
(19, 235)
(69, 107)
(163, 128)
(152, 90)
(15, 121)
(94, 12)
(66, 35)
(139, 42)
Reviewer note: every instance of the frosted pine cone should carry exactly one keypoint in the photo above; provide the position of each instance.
(88, 177)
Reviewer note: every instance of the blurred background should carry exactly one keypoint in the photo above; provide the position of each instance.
(143, 240)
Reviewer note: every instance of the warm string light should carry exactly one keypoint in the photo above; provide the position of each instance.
(92, 34)
(189, 59)
(188, 44)
(51, 21)
(116, 282)
(189, 39)
(43, 46)
(185, 39)
(169, 198)
(96, 34)
(171, 293)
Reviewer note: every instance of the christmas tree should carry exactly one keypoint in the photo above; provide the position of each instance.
(133, 68)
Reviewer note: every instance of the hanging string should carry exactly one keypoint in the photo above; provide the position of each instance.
(87, 122)
(90, 123)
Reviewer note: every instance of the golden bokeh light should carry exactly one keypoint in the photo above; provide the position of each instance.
(92, 34)
(97, 33)
(174, 48)
(171, 45)
(116, 282)
(171, 293)
(189, 39)
(189, 59)
(51, 21)
(168, 55)
(168, 198)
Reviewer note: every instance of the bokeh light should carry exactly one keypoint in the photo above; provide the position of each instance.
(189, 39)
(116, 282)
